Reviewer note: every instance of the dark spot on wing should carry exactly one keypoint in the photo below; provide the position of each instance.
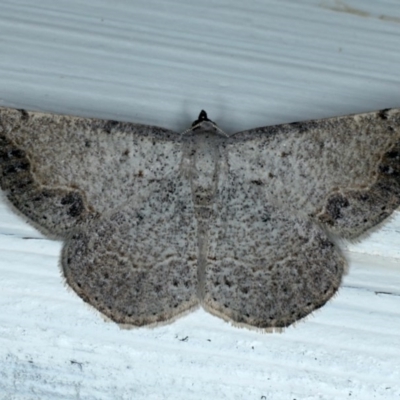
(9, 155)
(16, 167)
(110, 125)
(24, 114)
(383, 114)
(302, 127)
(17, 153)
(393, 154)
(354, 211)
(74, 200)
(265, 217)
(390, 165)
(335, 205)
(23, 183)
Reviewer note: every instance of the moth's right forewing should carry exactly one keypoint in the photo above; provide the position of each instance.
(58, 169)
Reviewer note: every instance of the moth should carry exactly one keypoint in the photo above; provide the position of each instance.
(155, 223)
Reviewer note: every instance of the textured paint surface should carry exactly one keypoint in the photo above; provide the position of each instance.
(156, 223)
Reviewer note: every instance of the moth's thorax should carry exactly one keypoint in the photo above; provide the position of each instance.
(205, 128)
(202, 156)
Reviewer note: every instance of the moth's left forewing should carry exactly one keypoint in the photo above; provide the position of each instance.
(271, 260)
(344, 172)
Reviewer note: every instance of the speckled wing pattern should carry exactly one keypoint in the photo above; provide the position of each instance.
(288, 191)
(103, 187)
(156, 223)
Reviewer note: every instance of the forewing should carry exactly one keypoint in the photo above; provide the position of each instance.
(59, 170)
(342, 172)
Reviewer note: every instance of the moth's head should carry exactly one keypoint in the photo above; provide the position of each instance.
(203, 124)
(202, 118)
